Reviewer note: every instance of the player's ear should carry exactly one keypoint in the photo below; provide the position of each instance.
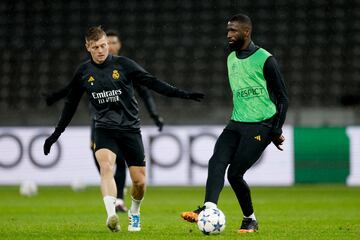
(247, 32)
(87, 45)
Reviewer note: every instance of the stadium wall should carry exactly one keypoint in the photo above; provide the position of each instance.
(179, 155)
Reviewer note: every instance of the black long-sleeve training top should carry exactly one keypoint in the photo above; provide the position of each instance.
(275, 85)
(143, 92)
(109, 87)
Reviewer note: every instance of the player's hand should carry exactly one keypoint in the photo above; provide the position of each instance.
(49, 98)
(196, 96)
(50, 141)
(159, 122)
(278, 141)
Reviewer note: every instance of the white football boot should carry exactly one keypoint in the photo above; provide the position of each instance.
(113, 223)
(134, 222)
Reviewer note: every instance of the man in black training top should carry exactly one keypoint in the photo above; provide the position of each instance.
(115, 46)
(108, 81)
(259, 108)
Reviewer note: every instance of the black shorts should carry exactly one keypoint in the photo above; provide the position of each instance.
(129, 144)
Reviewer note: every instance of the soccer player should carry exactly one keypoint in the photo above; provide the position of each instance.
(115, 46)
(108, 82)
(260, 103)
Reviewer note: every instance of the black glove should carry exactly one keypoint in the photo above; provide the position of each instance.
(278, 141)
(51, 140)
(49, 98)
(159, 121)
(195, 96)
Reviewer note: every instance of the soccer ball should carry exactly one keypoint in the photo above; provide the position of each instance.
(211, 221)
(78, 185)
(28, 188)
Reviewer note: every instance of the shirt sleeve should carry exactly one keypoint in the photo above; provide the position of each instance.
(61, 93)
(73, 98)
(278, 93)
(141, 76)
(148, 99)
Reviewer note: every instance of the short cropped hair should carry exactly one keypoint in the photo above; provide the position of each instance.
(94, 33)
(241, 18)
(112, 33)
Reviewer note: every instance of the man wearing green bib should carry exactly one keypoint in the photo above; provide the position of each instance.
(260, 103)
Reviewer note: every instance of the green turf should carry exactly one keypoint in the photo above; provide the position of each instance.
(301, 212)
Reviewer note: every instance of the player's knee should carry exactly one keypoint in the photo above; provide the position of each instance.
(234, 177)
(106, 167)
(139, 182)
(211, 163)
(216, 167)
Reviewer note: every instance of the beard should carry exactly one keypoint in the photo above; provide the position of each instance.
(237, 45)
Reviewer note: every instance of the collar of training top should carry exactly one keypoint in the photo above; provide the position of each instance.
(247, 51)
(103, 64)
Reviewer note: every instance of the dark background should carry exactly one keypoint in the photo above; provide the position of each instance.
(317, 44)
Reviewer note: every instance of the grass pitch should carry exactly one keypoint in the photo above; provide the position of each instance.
(301, 212)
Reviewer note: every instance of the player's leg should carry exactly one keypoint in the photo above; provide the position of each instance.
(120, 173)
(95, 161)
(93, 145)
(137, 174)
(120, 179)
(225, 148)
(106, 159)
(133, 149)
(105, 152)
(254, 140)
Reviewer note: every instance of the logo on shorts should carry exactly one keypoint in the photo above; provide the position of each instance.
(115, 74)
(258, 137)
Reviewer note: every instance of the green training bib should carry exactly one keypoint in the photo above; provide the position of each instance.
(251, 100)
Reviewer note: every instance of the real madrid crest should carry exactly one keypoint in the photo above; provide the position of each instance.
(115, 74)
